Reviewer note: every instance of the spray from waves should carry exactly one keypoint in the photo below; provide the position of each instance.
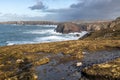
(50, 31)
(53, 26)
(60, 37)
(52, 38)
(18, 42)
(45, 29)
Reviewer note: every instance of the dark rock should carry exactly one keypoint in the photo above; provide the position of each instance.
(67, 28)
(85, 36)
(77, 35)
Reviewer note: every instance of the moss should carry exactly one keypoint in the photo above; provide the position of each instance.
(42, 61)
(110, 70)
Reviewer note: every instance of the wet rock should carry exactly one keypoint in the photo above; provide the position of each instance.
(76, 73)
(63, 78)
(77, 35)
(67, 28)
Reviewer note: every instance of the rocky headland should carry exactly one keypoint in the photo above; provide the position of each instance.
(69, 27)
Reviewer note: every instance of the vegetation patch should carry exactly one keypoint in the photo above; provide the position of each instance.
(105, 71)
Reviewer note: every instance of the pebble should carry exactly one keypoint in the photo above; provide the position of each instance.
(79, 64)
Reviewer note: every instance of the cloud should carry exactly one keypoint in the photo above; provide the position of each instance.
(87, 10)
(38, 6)
(82, 10)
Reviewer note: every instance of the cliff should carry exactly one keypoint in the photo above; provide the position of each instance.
(112, 31)
(72, 27)
(91, 27)
(67, 28)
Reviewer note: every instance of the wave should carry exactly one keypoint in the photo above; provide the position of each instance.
(53, 26)
(50, 31)
(31, 34)
(52, 38)
(18, 42)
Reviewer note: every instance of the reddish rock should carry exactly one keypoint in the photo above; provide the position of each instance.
(67, 28)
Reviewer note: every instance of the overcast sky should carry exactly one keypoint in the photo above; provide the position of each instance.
(59, 10)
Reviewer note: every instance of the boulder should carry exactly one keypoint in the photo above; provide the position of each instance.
(67, 28)
(118, 18)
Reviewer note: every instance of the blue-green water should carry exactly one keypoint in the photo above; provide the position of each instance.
(27, 34)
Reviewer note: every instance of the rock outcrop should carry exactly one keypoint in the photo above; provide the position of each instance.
(67, 28)
(96, 26)
(111, 31)
(73, 27)
(91, 27)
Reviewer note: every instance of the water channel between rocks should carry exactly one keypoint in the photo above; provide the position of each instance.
(56, 69)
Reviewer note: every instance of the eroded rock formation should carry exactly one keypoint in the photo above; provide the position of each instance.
(94, 26)
(67, 28)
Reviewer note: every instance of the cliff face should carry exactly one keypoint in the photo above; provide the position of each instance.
(112, 31)
(97, 26)
(67, 28)
(73, 27)
(94, 26)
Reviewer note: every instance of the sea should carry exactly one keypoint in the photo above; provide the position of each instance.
(12, 34)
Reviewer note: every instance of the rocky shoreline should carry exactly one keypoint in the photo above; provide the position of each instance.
(67, 69)
(103, 65)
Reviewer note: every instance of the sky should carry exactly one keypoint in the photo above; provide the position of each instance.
(58, 10)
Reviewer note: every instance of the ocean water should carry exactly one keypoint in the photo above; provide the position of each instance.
(29, 34)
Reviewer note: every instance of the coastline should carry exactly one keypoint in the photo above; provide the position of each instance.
(20, 61)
